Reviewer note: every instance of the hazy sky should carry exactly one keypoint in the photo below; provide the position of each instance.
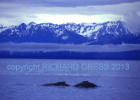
(63, 11)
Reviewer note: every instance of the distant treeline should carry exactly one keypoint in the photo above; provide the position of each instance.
(128, 55)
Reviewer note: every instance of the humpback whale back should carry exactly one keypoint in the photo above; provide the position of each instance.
(56, 84)
(86, 84)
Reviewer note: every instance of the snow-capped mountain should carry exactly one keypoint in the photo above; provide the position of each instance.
(105, 33)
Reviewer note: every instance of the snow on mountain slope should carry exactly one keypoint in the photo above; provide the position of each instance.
(68, 33)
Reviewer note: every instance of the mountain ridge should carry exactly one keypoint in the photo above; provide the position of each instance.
(111, 32)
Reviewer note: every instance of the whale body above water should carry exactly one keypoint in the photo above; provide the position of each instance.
(56, 84)
(86, 84)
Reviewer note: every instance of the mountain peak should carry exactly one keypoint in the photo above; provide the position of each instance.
(110, 23)
(32, 23)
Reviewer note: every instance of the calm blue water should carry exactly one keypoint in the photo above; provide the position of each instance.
(121, 83)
